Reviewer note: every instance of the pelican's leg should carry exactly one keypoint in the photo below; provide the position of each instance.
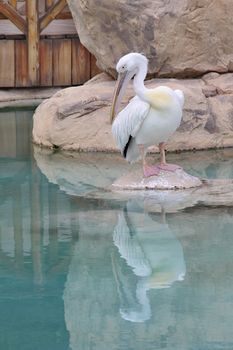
(148, 170)
(163, 164)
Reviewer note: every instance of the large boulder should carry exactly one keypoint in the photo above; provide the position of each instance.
(77, 118)
(181, 38)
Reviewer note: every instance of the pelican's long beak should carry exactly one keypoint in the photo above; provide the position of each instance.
(117, 96)
(122, 82)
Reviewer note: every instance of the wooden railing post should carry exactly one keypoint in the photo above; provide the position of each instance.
(33, 41)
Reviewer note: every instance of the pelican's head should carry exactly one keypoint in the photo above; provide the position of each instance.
(131, 63)
(127, 67)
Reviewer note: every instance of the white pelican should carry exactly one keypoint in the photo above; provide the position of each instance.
(150, 118)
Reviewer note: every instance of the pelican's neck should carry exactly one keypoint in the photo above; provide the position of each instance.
(138, 82)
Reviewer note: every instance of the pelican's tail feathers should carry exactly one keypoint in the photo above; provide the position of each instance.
(132, 154)
(125, 150)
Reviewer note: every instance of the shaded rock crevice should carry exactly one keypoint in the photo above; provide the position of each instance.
(80, 109)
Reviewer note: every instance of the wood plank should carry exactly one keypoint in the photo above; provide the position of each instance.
(46, 62)
(52, 13)
(62, 62)
(21, 63)
(33, 42)
(9, 11)
(80, 63)
(94, 69)
(7, 63)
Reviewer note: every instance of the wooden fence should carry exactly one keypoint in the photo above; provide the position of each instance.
(39, 45)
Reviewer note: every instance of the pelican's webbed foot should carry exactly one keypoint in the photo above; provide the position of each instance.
(169, 167)
(151, 170)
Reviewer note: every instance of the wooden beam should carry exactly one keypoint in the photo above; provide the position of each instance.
(52, 14)
(64, 15)
(48, 4)
(9, 12)
(13, 3)
(33, 42)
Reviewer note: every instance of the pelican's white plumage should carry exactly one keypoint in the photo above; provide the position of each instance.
(129, 121)
(150, 118)
(129, 248)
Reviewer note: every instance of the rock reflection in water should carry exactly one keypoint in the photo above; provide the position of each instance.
(91, 176)
(81, 173)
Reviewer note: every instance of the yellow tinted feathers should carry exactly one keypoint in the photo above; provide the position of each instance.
(159, 99)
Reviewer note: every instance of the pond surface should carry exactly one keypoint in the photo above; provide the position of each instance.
(81, 271)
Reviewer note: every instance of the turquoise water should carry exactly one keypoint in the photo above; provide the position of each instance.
(80, 270)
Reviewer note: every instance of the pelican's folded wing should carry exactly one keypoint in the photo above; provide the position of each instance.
(130, 249)
(129, 120)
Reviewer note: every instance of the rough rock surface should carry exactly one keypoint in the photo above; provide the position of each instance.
(166, 180)
(77, 118)
(180, 37)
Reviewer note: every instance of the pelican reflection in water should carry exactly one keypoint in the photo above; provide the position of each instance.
(155, 258)
(145, 255)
